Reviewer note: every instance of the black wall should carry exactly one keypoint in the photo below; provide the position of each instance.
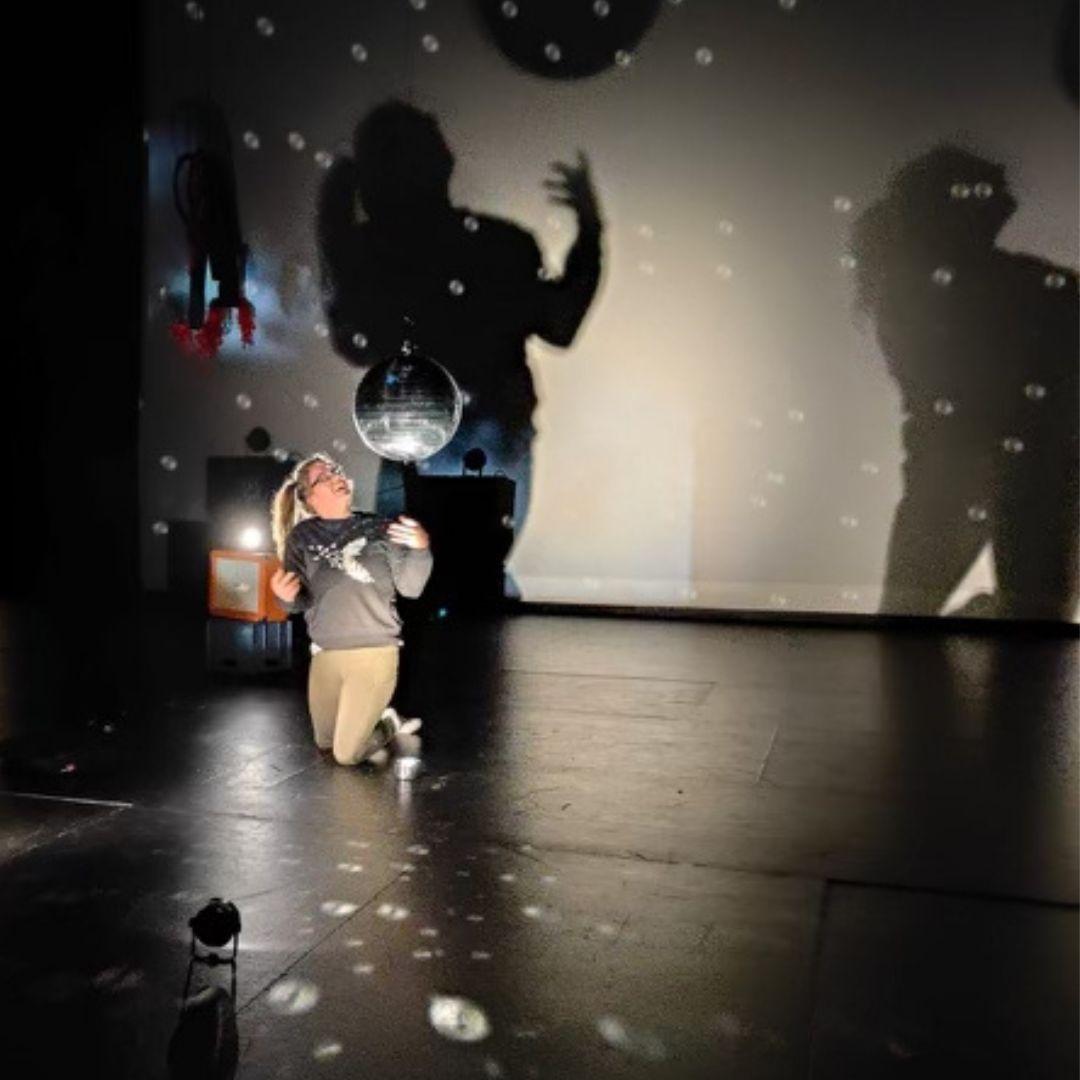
(75, 176)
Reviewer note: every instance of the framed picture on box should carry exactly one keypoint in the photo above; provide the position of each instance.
(239, 586)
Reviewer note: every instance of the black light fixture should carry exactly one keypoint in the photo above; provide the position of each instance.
(206, 1042)
(258, 440)
(214, 926)
(474, 461)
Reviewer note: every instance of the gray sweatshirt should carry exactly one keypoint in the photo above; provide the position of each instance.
(349, 575)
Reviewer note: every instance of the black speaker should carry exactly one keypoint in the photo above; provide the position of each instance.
(470, 519)
(238, 495)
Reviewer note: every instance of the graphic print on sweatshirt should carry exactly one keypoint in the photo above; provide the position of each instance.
(346, 558)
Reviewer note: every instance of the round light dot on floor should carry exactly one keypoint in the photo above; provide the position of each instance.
(458, 1018)
(292, 997)
(338, 909)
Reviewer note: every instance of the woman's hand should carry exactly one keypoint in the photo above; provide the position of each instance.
(285, 585)
(408, 532)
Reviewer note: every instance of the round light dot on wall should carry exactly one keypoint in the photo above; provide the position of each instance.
(796, 416)
(194, 11)
(265, 26)
(470, 223)
(418, 5)
(340, 446)
(601, 8)
(759, 502)
(942, 276)
(360, 340)
(243, 402)
(944, 407)
(871, 468)
(960, 190)
(321, 330)
(279, 453)
(251, 140)
(842, 204)
(725, 227)
(848, 261)
(509, 9)
(703, 56)
(1054, 280)
(324, 159)
(849, 521)
(724, 272)
(429, 43)
(1012, 445)
(776, 478)
(296, 140)
(977, 513)
(168, 463)
(359, 52)
(624, 58)
(310, 401)
(456, 287)
(160, 528)
(983, 190)
(645, 232)
(553, 52)
(1035, 391)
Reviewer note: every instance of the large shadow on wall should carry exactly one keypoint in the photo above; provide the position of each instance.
(394, 248)
(983, 344)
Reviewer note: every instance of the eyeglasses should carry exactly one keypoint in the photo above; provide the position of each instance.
(329, 473)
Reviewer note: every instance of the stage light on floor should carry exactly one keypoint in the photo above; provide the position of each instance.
(206, 1041)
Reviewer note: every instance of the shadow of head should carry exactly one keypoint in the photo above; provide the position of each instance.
(402, 161)
(946, 202)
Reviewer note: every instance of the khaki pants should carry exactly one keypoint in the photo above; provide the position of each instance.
(347, 692)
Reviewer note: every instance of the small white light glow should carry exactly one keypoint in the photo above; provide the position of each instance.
(251, 538)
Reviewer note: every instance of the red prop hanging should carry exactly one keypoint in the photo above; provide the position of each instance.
(204, 190)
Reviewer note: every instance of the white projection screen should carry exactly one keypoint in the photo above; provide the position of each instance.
(828, 364)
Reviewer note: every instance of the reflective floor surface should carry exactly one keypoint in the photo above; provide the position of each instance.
(637, 849)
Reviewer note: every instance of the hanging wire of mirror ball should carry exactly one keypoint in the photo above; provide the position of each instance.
(407, 408)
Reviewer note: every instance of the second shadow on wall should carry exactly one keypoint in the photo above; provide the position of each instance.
(983, 345)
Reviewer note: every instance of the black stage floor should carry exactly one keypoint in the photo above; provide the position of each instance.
(641, 848)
